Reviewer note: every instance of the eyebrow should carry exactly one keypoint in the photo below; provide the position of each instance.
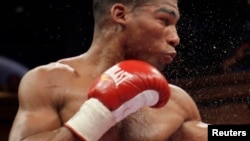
(168, 11)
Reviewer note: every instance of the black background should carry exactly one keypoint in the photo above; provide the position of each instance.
(36, 32)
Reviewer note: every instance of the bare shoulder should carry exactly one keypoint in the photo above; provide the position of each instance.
(42, 80)
(185, 101)
(46, 75)
(50, 69)
(39, 99)
(179, 94)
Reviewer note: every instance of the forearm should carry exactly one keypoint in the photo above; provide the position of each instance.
(61, 134)
(191, 131)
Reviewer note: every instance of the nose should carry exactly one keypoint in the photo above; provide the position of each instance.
(172, 38)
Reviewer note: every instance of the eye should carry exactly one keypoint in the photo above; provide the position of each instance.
(165, 21)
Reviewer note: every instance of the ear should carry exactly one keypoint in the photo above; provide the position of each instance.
(118, 12)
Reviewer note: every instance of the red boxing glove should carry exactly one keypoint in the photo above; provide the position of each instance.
(128, 79)
(121, 90)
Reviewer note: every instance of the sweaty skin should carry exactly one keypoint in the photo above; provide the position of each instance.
(51, 94)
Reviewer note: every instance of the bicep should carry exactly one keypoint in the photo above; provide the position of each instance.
(36, 113)
(28, 123)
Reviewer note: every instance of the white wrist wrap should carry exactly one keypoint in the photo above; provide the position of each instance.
(92, 120)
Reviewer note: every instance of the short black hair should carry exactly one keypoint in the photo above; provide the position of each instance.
(101, 7)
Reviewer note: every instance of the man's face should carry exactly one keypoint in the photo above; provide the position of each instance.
(151, 32)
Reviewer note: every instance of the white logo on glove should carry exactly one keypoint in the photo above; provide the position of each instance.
(118, 75)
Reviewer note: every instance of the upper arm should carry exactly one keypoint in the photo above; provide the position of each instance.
(192, 127)
(186, 103)
(36, 112)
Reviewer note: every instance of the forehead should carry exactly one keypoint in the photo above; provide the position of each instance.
(173, 3)
(167, 6)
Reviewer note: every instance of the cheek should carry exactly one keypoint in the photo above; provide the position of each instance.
(146, 37)
(149, 43)
(154, 41)
(154, 36)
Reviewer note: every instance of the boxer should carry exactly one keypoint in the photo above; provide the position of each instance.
(115, 90)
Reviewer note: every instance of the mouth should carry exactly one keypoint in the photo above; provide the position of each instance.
(168, 58)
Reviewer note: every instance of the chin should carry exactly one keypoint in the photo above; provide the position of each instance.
(161, 66)
(161, 69)
(158, 66)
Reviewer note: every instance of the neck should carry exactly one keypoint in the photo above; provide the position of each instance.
(105, 51)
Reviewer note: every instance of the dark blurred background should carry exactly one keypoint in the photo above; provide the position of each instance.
(215, 35)
(41, 31)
